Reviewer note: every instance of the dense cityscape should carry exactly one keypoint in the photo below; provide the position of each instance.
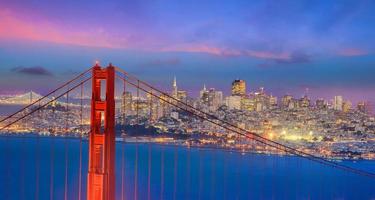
(335, 129)
(187, 99)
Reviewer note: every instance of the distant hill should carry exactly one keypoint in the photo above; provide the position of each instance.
(22, 99)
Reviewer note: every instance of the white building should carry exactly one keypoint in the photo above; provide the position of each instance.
(233, 102)
(337, 103)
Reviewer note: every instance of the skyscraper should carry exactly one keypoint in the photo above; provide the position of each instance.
(202, 92)
(337, 103)
(364, 107)
(174, 90)
(286, 100)
(215, 99)
(238, 87)
(304, 102)
(233, 102)
(346, 106)
(126, 105)
(320, 103)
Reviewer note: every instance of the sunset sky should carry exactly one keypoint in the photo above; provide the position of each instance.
(285, 46)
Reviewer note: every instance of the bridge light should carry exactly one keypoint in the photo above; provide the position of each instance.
(97, 62)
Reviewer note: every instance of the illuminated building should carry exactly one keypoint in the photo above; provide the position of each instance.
(285, 101)
(214, 99)
(153, 107)
(304, 102)
(233, 102)
(238, 87)
(248, 104)
(164, 108)
(182, 95)
(126, 103)
(321, 103)
(210, 99)
(273, 101)
(364, 107)
(346, 106)
(174, 90)
(202, 92)
(337, 103)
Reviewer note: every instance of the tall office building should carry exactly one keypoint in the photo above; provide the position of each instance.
(286, 100)
(126, 103)
(346, 106)
(321, 103)
(273, 101)
(238, 87)
(233, 102)
(182, 95)
(203, 91)
(174, 90)
(304, 102)
(337, 103)
(126, 106)
(214, 99)
(364, 107)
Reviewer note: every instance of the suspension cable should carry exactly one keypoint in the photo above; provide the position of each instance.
(80, 146)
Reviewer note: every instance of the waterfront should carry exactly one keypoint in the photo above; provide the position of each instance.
(174, 172)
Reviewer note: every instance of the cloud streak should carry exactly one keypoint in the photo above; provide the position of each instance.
(163, 62)
(352, 52)
(35, 71)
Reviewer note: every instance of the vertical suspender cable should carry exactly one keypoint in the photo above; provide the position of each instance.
(80, 146)
(122, 171)
(52, 169)
(175, 172)
(7, 163)
(149, 173)
(66, 148)
(122, 143)
(188, 174)
(23, 157)
(200, 175)
(52, 160)
(136, 173)
(137, 104)
(136, 150)
(151, 113)
(162, 173)
(37, 156)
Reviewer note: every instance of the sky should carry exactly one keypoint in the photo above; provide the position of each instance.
(284, 46)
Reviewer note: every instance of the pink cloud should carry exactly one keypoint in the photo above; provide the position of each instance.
(202, 48)
(352, 52)
(12, 27)
(268, 55)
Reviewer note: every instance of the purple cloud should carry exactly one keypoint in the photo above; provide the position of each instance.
(297, 57)
(36, 70)
(163, 62)
(294, 58)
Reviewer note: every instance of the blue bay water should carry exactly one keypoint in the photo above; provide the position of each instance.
(35, 168)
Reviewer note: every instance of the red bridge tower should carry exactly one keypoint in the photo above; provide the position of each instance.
(101, 171)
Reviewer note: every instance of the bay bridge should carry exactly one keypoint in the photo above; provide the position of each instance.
(100, 179)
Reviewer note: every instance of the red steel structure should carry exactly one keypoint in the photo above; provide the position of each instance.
(101, 171)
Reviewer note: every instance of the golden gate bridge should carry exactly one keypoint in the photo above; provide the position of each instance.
(101, 135)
